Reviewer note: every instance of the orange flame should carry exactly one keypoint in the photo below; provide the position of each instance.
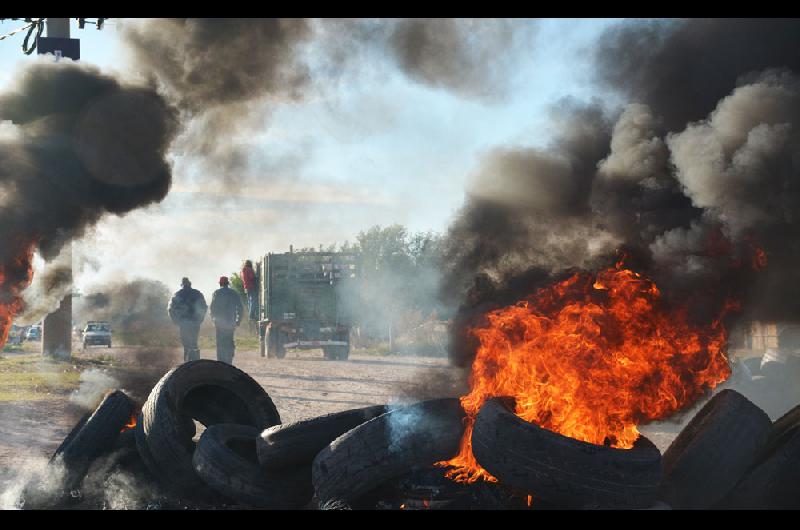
(592, 357)
(131, 423)
(530, 501)
(10, 292)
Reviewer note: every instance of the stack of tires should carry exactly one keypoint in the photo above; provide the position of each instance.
(730, 455)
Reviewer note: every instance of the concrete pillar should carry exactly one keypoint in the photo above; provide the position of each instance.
(58, 27)
(57, 326)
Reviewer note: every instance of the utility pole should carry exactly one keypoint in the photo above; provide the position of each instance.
(57, 326)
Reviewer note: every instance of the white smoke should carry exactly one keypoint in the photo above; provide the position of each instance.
(94, 383)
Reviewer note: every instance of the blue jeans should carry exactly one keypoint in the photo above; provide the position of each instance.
(252, 301)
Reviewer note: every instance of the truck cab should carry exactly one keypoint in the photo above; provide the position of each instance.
(303, 300)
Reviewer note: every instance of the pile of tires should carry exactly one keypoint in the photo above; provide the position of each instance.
(730, 455)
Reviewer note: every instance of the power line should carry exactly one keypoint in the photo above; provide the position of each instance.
(23, 28)
(37, 25)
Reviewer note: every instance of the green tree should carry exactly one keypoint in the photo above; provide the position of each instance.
(238, 285)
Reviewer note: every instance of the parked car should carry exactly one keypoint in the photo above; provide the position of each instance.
(34, 333)
(97, 334)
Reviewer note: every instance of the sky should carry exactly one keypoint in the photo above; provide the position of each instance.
(376, 148)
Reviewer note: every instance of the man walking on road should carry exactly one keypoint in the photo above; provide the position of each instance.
(226, 312)
(187, 309)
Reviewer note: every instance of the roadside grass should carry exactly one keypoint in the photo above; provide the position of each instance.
(32, 377)
(25, 347)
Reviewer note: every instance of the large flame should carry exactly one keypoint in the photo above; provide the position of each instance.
(592, 357)
(14, 278)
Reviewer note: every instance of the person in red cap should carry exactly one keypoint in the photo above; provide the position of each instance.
(226, 312)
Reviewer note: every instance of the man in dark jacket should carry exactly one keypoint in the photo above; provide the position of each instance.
(226, 312)
(187, 309)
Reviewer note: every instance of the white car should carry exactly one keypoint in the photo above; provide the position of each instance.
(97, 334)
(34, 333)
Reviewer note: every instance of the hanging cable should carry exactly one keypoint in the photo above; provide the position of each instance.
(38, 25)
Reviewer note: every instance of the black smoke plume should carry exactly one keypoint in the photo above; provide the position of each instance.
(75, 144)
(692, 179)
(217, 72)
(471, 57)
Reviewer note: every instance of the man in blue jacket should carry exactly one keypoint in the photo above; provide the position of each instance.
(187, 309)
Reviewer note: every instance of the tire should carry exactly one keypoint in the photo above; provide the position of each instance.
(269, 339)
(210, 392)
(226, 461)
(297, 443)
(93, 436)
(713, 451)
(280, 351)
(771, 481)
(343, 352)
(328, 353)
(562, 470)
(386, 447)
(68, 440)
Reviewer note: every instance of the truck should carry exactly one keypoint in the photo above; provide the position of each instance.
(305, 301)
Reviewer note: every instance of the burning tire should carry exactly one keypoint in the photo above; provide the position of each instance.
(94, 435)
(297, 443)
(713, 451)
(210, 392)
(562, 470)
(386, 447)
(771, 481)
(225, 459)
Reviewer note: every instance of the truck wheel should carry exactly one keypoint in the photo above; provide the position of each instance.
(280, 351)
(343, 352)
(269, 342)
(327, 352)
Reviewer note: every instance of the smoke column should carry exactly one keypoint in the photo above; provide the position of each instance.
(695, 178)
(76, 145)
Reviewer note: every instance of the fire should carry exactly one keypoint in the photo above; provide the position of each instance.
(131, 423)
(592, 357)
(14, 278)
